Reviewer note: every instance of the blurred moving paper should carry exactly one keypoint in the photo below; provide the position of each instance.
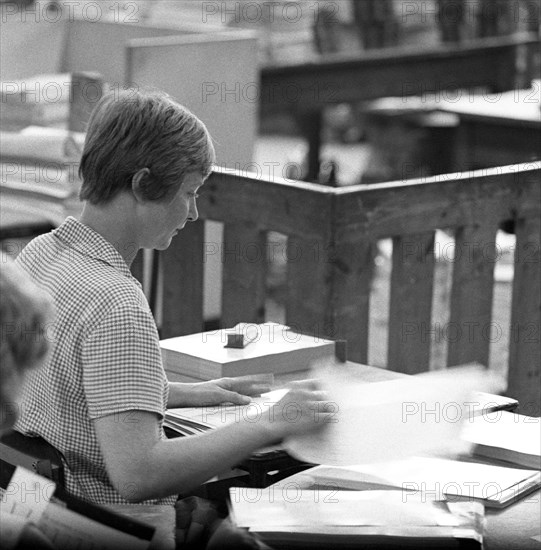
(410, 416)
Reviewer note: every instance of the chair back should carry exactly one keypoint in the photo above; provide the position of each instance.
(32, 453)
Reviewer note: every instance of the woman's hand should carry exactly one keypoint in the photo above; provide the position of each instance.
(304, 408)
(236, 391)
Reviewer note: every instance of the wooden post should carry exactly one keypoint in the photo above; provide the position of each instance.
(244, 261)
(451, 20)
(329, 290)
(308, 267)
(183, 264)
(412, 282)
(525, 350)
(497, 17)
(310, 123)
(468, 331)
(353, 266)
(377, 23)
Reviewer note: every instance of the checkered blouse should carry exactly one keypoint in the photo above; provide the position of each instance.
(105, 356)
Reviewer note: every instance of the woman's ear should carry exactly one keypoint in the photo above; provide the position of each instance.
(137, 183)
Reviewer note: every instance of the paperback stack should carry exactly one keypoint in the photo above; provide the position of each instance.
(492, 485)
(39, 175)
(291, 518)
(507, 437)
(196, 420)
(268, 348)
(41, 99)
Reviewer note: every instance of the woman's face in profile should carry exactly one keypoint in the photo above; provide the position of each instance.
(161, 221)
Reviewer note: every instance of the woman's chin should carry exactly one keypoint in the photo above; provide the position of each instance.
(164, 243)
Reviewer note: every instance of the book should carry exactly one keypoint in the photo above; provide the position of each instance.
(492, 485)
(489, 402)
(286, 518)
(193, 420)
(272, 348)
(507, 437)
(197, 420)
(52, 146)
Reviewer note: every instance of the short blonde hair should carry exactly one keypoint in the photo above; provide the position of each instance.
(25, 313)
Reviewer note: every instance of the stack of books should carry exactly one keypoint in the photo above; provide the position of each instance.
(41, 99)
(196, 420)
(268, 348)
(39, 175)
(503, 436)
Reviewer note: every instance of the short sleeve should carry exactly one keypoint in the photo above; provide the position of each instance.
(122, 365)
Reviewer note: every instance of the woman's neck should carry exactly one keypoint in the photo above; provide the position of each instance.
(115, 222)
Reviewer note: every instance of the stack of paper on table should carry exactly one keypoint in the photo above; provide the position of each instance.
(194, 420)
(375, 519)
(39, 178)
(505, 436)
(439, 478)
(40, 99)
(484, 403)
(273, 348)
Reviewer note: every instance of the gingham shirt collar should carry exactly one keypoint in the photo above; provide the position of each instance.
(87, 241)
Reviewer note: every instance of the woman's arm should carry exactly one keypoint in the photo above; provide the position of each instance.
(214, 392)
(142, 466)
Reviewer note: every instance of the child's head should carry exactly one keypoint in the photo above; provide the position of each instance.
(130, 130)
(25, 312)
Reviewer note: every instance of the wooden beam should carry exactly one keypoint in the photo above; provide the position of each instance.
(244, 261)
(302, 209)
(479, 143)
(183, 282)
(311, 124)
(286, 206)
(400, 71)
(410, 327)
(523, 377)
(448, 200)
(329, 291)
(468, 332)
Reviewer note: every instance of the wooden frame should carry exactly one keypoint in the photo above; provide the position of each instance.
(332, 234)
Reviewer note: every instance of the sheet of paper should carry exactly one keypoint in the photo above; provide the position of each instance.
(436, 477)
(506, 430)
(399, 418)
(27, 494)
(222, 415)
(273, 507)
